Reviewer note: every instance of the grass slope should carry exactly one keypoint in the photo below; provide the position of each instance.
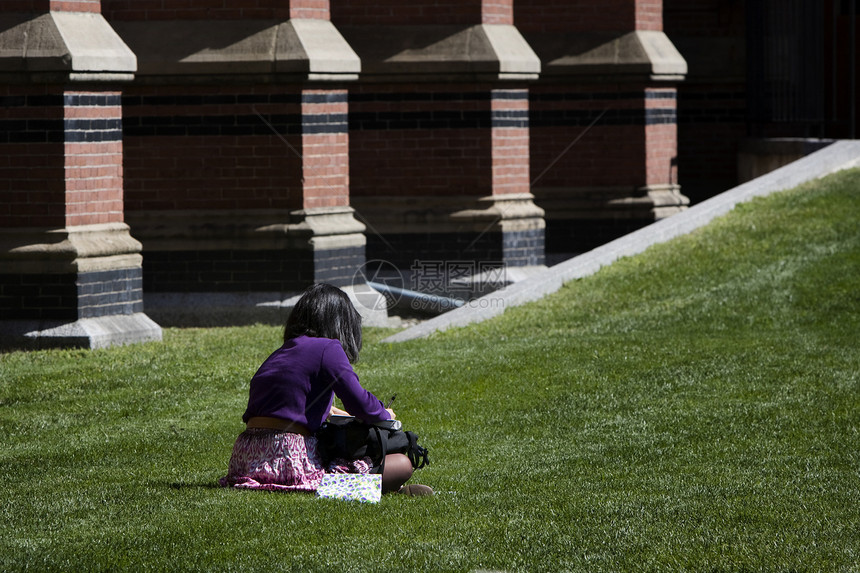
(696, 407)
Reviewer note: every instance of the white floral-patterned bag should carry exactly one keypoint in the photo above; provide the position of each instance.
(357, 487)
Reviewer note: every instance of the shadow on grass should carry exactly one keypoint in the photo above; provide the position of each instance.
(187, 485)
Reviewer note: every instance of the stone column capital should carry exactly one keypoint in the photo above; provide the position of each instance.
(67, 46)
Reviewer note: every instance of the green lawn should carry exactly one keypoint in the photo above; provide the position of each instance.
(696, 407)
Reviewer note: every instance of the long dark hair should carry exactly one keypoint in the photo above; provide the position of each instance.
(325, 311)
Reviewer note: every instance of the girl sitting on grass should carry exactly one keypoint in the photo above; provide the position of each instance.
(293, 392)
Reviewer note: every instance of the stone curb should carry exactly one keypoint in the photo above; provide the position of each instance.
(96, 332)
(836, 157)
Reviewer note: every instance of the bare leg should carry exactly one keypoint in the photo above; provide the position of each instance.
(398, 469)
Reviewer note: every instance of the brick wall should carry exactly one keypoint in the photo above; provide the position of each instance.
(212, 148)
(213, 9)
(37, 296)
(347, 12)
(70, 296)
(48, 5)
(397, 12)
(575, 15)
(711, 122)
(60, 170)
(611, 153)
(445, 145)
(712, 100)
(31, 157)
(259, 147)
(591, 180)
(420, 140)
(704, 17)
(61, 163)
(633, 143)
(588, 16)
(25, 6)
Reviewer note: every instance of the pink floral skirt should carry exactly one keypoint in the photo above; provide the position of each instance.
(281, 461)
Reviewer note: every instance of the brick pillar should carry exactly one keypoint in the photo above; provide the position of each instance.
(338, 242)
(521, 220)
(71, 272)
(603, 118)
(237, 157)
(439, 136)
(324, 148)
(508, 216)
(313, 9)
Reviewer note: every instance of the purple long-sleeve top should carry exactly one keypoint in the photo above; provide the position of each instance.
(299, 381)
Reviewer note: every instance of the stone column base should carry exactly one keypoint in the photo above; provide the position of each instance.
(99, 332)
(517, 221)
(218, 268)
(78, 286)
(499, 230)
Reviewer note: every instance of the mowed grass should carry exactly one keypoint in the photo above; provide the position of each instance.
(694, 408)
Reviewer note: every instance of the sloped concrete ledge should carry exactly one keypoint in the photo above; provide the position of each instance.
(99, 332)
(841, 155)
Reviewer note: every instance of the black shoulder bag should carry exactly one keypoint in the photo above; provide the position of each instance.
(349, 438)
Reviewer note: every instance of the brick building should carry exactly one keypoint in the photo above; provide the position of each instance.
(206, 154)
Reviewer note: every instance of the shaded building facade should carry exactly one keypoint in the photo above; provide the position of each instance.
(207, 155)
